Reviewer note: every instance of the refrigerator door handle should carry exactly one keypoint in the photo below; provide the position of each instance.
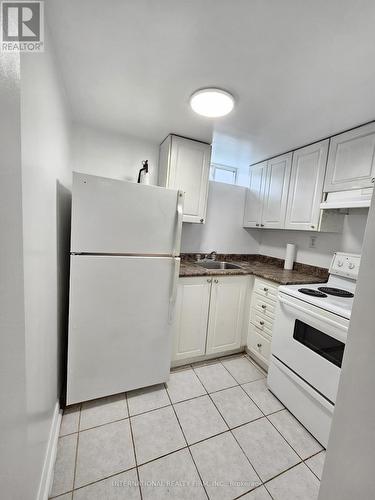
(172, 299)
(180, 214)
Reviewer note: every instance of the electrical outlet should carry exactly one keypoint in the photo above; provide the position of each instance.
(312, 242)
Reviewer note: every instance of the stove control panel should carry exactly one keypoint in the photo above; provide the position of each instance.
(345, 264)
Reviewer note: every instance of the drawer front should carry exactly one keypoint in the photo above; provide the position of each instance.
(265, 289)
(259, 344)
(261, 322)
(264, 306)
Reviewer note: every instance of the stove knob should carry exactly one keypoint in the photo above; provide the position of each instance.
(340, 263)
(351, 265)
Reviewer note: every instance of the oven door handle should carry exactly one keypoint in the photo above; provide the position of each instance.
(313, 314)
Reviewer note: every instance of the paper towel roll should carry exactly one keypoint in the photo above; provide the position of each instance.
(290, 255)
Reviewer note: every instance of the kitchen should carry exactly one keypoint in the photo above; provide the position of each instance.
(231, 265)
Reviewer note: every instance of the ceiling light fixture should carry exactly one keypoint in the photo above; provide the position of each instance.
(212, 102)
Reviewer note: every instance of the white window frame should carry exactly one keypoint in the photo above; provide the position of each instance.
(219, 166)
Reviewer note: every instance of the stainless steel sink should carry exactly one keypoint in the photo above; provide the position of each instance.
(214, 264)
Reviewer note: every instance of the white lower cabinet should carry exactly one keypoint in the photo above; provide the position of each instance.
(226, 314)
(261, 319)
(192, 305)
(210, 316)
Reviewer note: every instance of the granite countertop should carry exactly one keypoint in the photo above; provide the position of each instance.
(262, 266)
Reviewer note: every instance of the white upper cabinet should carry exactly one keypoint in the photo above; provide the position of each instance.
(306, 186)
(276, 191)
(351, 160)
(254, 196)
(185, 164)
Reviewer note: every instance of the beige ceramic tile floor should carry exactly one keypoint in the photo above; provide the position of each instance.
(213, 431)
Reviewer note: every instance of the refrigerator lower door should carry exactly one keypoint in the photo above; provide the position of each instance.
(119, 324)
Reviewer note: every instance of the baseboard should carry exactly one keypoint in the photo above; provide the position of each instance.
(256, 359)
(49, 461)
(205, 357)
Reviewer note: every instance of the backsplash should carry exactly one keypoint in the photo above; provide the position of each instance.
(273, 241)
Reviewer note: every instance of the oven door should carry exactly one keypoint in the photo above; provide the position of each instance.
(310, 341)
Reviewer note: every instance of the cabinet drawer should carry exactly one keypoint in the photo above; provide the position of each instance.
(264, 306)
(265, 289)
(261, 322)
(259, 344)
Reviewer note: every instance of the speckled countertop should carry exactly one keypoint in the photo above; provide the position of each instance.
(262, 266)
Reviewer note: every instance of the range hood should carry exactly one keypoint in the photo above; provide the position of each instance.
(354, 198)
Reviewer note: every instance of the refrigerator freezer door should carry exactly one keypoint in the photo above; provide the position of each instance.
(117, 217)
(119, 324)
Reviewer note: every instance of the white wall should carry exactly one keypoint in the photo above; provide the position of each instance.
(273, 242)
(223, 229)
(100, 152)
(46, 177)
(14, 477)
(349, 467)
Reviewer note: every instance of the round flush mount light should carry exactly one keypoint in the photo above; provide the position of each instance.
(212, 102)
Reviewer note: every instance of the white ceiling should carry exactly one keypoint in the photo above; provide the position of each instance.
(300, 69)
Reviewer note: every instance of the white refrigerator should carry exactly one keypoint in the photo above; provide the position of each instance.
(125, 246)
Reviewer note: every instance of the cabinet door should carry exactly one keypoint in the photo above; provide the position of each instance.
(191, 317)
(226, 316)
(254, 196)
(351, 160)
(189, 171)
(276, 192)
(306, 187)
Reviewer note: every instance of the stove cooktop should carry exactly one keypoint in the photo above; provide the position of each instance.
(318, 294)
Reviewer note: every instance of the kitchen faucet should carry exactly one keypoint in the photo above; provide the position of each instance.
(211, 255)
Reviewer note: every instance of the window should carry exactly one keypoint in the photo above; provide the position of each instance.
(223, 173)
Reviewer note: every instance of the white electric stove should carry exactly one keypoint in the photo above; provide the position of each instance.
(308, 343)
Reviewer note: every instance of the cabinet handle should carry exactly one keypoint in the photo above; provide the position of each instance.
(265, 289)
(209, 281)
(216, 281)
(201, 221)
(261, 323)
(259, 346)
(373, 180)
(257, 225)
(262, 225)
(264, 306)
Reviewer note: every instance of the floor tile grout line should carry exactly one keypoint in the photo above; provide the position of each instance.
(264, 416)
(133, 443)
(104, 424)
(307, 465)
(254, 363)
(269, 414)
(118, 420)
(243, 383)
(212, 392)
(234, 437)
(281, 473)
(285, 439)
(77, 444)
(260, 486)
(188, 447)
(95, 482)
